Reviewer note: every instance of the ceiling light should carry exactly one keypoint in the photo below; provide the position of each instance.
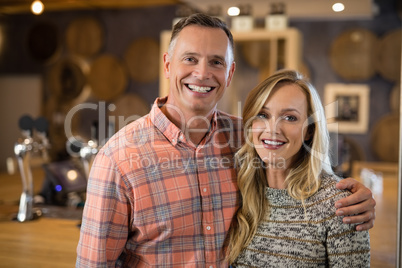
(338, 7)
(37, 7)
(233, 11)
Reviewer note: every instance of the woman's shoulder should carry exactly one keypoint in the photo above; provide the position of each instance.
(328, 188)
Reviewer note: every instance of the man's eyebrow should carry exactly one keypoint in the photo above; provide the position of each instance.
(220, 57)
(188, 53)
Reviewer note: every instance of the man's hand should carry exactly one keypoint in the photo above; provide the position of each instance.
(360, 204)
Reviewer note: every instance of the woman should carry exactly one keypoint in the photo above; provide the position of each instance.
(287, 217)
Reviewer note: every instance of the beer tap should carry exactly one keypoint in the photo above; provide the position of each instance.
(86, 151)
(23, 150)
(41, 127)
(90, 149)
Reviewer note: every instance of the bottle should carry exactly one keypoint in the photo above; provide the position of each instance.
(244, 21)
(277, 19)
(182, 11)
(216, 11)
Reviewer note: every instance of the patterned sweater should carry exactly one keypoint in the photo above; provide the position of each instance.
(289, 237)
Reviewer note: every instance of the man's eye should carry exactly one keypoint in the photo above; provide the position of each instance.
(217, 62)
(189, 59)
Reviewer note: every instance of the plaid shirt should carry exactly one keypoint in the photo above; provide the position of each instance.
(153, 199)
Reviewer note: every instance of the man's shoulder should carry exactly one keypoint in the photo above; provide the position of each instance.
(133, 126)
(131, 133)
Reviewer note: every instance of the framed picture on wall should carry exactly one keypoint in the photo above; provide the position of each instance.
(347, 107)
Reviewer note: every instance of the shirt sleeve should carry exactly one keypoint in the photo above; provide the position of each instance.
(105, 221)
(346, 247)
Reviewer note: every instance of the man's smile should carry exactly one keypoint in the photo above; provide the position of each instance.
(199, 89)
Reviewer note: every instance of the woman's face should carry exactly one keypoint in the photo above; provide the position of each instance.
(281, 126)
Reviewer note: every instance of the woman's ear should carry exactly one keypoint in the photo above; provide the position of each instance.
(310, 133)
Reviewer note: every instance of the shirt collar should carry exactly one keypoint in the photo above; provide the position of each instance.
(170, 130)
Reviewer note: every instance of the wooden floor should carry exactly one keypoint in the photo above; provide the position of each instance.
(383, 235)
(51, 242)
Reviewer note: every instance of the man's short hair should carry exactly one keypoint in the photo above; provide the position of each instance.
(203, 20)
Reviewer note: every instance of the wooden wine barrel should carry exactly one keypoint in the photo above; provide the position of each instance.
(395, 98)
(142, 60)
(107, 77)
(61, 124)
(127, 108)
(43, 42)
(84, 37)
(256, 53)
(389, 56)
(385, 138)
(67, 78)
(353, 54)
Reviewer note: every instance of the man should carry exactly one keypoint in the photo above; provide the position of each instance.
(162, 192)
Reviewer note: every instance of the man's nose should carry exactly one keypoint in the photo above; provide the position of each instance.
(202, 71)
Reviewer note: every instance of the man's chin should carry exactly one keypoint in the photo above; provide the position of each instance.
(203, 109)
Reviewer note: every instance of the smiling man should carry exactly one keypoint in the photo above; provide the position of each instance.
(163, 191)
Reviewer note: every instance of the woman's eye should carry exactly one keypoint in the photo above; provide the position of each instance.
(290, 118)
(262, 115)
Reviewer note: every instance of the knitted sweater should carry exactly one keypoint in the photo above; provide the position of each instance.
(289, 237)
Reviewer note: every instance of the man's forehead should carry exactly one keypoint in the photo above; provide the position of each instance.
(202, 30)
(193, 33)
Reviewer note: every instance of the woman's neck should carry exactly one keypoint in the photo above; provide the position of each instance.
(276, 177)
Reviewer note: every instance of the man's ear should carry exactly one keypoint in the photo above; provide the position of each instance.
(166, 65)
(231, 72)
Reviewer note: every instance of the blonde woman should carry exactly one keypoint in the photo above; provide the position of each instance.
(287, 217)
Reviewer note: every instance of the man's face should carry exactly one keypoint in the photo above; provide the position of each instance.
(199, 70)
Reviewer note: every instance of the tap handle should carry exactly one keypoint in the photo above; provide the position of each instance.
(95, 130)
(41, 125)
(26, 124)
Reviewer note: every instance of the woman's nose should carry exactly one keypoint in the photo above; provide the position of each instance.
(272, 125)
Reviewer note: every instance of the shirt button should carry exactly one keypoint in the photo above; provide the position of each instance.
(173, 140)
(204, 190)
(208, 228)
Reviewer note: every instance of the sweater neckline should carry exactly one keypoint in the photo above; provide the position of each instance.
(279, 197)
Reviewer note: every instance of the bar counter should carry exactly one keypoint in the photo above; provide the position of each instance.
(43, 242)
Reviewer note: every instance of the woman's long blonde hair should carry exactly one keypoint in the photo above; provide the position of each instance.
(303, 179)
